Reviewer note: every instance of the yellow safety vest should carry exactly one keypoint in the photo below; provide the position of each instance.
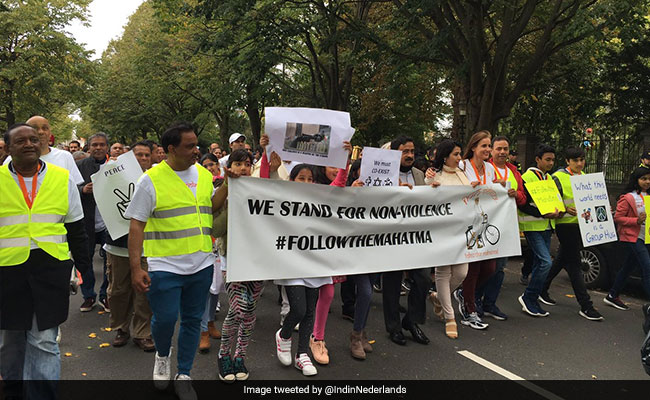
(181, 222)
(43, 223)
(567, 196)
(528, 222)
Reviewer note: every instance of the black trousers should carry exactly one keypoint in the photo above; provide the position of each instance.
(568, 257)
(416, 311)
(348, 296)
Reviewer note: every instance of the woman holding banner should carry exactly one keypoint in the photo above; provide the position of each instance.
(447, 277)
(630, 221)
(479, 172)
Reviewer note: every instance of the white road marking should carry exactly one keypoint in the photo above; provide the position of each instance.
(509, 375)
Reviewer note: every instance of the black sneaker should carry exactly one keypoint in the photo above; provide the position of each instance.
(377, 287)
(104, 303)
(615, 302)
(226, 369)
(591, 314)
(546, 299)
(87, 305)
(523, 279)
(241, 373)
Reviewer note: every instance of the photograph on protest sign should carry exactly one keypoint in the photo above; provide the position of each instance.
(309, 139)
(380, 167)
(113, 188)
(592, 209)
(392, 229)
(546, 196)
(308, 135)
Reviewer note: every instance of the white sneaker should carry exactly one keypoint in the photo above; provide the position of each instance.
(283, 349)
(303, 363)
(162, 371)
(183, 387)
(58, 334)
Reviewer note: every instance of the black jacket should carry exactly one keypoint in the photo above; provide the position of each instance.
(41, 285)
(87, 167)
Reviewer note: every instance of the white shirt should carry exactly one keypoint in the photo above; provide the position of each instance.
(407, 177)
(63, 159)
(313, 283)
(141, 208)
(223, 161)
(75, 210)
(470, 173)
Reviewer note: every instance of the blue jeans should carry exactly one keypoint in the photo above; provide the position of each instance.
(363, 284)
(169, 295)
(640, 252)
(31, 355)
(540, 244)
(210, 310)
(489, 292)
(88, 285)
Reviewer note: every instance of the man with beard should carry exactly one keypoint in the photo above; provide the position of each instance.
(95, 227)
(419, 278)
(74, 146)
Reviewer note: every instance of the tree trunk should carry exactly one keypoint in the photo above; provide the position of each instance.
(253, 112)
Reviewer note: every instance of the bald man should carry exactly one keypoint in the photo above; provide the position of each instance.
(55, 156)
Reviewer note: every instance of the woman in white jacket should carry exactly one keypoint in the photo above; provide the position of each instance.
(449, 277)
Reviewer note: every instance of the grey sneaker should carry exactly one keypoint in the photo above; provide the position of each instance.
(183, 387)
(474, 321)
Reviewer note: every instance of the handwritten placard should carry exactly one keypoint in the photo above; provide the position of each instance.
(380, 167)
(546, 196)
(592, 209)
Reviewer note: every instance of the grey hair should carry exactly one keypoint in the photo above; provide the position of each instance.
(98, 135)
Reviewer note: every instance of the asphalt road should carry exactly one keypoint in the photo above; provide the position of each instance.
(563, 346)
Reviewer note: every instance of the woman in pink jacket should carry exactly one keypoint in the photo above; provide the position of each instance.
(630, 220)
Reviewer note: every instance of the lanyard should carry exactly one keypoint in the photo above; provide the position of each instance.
(498, 173)
(540, 176)
(477, 174)
(23, 187)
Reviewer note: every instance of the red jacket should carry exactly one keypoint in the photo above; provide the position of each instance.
(626, 219)
(520, 198)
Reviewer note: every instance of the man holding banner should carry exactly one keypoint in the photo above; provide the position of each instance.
(568, 233)
(537, 224)
(420, 280)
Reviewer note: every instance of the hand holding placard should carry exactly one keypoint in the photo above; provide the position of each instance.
(546, 196)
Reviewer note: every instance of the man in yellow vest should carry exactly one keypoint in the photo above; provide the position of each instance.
(568, 233)
(171, 217)
(40, 214)
(645, 160)
(538, 229)
(486, 296)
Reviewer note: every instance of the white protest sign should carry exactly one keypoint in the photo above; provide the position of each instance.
(380, 167)
(593, 209)
(113, 187)
(308, 135)
(306, 230)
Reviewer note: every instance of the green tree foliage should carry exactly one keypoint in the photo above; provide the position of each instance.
(42, 69)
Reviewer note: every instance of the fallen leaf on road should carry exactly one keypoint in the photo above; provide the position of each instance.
(371, 341)
(101, 312)
(92, 335)
(571, 296)
(89, 347)
(84, 374)
(107, 329)
(594, 377)
(104, 345)
(68, 354)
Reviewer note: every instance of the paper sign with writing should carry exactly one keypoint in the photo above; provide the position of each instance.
(308, 135)
(380, 167)
(646, 201)
(113, 187)
(546, 196)
(592, 209)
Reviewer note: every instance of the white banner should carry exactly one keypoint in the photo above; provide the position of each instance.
(380, 167)
(113, 187)
(593, 209)
(308, 135)
(282, 229)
